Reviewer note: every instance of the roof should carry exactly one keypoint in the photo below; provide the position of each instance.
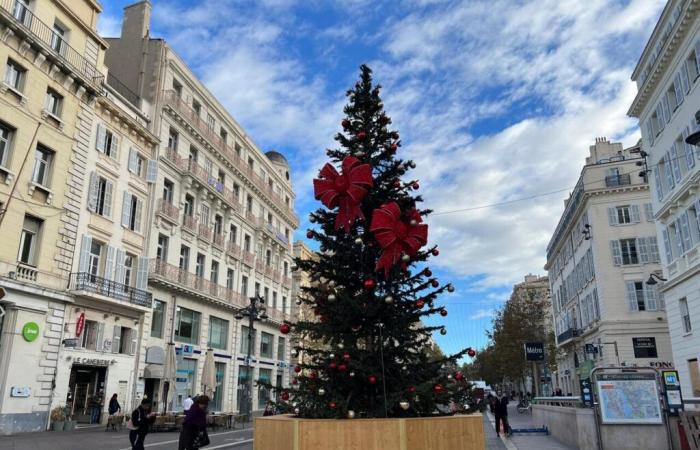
(276, 157)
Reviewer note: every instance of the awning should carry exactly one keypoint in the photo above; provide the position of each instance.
(153, 371)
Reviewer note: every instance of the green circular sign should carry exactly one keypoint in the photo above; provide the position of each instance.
(30, 331)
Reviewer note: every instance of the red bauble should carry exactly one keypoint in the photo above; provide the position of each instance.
(420, 303)
(309, 234)
(361, 135)
(458, 376)
(342, 368)
(312, 375)
(438, 388)
(369, 284)
(393, 148)
(443, 312)
(333, 365)
(346, 123)
(397, 184)
(434, 283)
(285, 396)
(346, 356)
(471, 352)
(285, 328)
(428, 273)
(436, 252)
(415, 186)
(295, 381)
(332, 405)
(412, 389)
(372, 379)
(297, 369)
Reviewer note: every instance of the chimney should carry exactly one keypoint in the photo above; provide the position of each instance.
(137, 19)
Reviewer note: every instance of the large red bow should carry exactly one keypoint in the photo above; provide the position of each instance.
(345, 190)
(395, 236)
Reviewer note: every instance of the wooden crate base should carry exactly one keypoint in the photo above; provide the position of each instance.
(425, 433)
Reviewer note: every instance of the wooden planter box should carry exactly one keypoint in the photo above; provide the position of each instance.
(426, 433)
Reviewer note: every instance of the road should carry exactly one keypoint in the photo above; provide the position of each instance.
(96, 438)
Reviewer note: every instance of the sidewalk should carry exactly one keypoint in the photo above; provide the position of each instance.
(525, 441)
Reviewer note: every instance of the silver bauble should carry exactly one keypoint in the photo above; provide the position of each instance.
(404, 368)
(294, 352)
(298, 302)
(443, 332)
(331, 297)
(351, 374)
(358, 241)
(389, 299)
(404, 405)
(340, 345)
(332, 356)
(413, 222)
(405, 258)
(450, 288)
(296, 410)
(351, 414)
(294, 404)
(321, 391)
(449, 376)
(412, 164)
(312, 218)
(331, 283)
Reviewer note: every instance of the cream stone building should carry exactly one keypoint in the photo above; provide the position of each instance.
(222, 230)
(51, 60)
(602, 252)
(302, 312)
(667, 103)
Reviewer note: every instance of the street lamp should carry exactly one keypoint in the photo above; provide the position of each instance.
(654, 279)
(254, 311)
(694, 139)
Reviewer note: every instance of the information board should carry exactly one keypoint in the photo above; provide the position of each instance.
(629, 398)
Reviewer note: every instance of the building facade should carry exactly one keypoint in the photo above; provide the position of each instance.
(666, 104)
(602, 252)
(221, 233)
(52, 63)
(301, 279)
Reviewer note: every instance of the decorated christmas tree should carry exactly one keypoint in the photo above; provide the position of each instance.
(372, 288)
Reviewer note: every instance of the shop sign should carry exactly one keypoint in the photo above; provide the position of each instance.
(644, 347)
(92, 361)
(30, 331)
(80, 325)
(70, 342)
(661, 364)
(534, 351)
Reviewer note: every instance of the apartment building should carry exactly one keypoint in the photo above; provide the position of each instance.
(603, 251)
(221, 233)
(666, 104)
(51, 60)
(302, 312)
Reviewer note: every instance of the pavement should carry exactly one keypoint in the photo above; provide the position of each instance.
(526, 441)
(96, 438)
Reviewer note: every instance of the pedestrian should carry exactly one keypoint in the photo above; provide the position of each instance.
(187, 404)
(113, 408)
(501, 410)
(95, 407)
(140, 424)
(194, 429)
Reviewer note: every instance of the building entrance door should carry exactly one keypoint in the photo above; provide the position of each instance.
(86, 384)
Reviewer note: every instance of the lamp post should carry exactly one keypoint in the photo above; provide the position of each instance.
(254, 311)
(654, 279)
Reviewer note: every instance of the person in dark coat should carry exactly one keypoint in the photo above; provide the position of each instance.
(501, 412)
(141, 419)
(195, 424)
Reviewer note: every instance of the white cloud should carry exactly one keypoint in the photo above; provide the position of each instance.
(109, 26)
(482, 314)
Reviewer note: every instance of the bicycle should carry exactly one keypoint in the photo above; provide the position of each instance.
(524, 406)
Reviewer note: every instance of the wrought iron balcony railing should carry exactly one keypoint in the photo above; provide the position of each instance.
(617, 180)
(234, 250)
(87, 282)
(168, 210)
(568, 334)
(190, 223)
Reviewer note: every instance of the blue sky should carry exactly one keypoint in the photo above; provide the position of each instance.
(495, 100)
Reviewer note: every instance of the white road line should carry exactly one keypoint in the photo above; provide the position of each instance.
(507, 442)
(233, 444)
(155, 444)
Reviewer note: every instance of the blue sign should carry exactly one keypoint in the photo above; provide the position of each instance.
(188, 350)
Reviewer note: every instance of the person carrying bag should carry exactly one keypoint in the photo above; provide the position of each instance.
(194, 429)
(140, 424)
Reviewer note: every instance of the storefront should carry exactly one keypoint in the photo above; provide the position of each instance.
(86, 388)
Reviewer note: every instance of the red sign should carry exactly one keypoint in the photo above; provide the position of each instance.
(80, 325)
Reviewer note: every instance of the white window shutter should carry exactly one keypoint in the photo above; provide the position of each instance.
(85, 244)
(142, 273)
(137, 218)
(126, 209)
(685, 231)
(119, 270)
(688, 150)
(685, 82)
(675, 163)
(650, 300)
(133, 161)
(114, 150)
(109, 188)
(116, 338)
(99, 343)
(659, 186)
(662, 302)
(612, 216)
(634, 213)
(648, 212)
(643, 250)
(616, 252)
(101, 134)
(109, 263)
(92, 192)
(653, 249)
(132, 336)
(632, 296)
(669, 173)
(152, 171)
(679, 238)
(667, 245)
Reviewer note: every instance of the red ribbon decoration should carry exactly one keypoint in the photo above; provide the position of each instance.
(395, 236)
(344, 190)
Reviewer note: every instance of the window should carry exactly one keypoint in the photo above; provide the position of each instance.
(189, 205)
(230, 278)
(266, 295)
(162, 250)
(199, 269)
(245, 339)
(204, 214)
(21, 11)
(100, 195)
(124, 340)
(249, 204)
(257, 289)
(266, 345)
(94, 256)
(218, 224)
(131, 212)
(246, 243)
(177, 87)
(208, 166)
(54, 103)
(251, 162)
(218, 333)
(43, 159)
(197, 107)
(186, 369)
(15, 75)
(685, 315)
(29, 240)
(214, 274)
(217, 400)
(184, 263)
(137, 163)
(211, 122)
(221, 178)
(233, 232)
(192, 156)
(280, 348)
(58, 38)
(624, 252)
(157, 317)
(108, 143)
(238, 149)
(286, 269)
(642, 297)
(264, 378)
(223, 134)
(173, 138)
(694, 372)
(6, 134)
(274, 300)
(244, 286)
(280, 376)
(168, 190)
(621, 215)
(284, 305)
(243, 382)
(187, 326)
(128, 269)
(268, 257)
(90, 338)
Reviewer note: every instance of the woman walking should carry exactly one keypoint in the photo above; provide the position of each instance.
(141, 420)
(194, 429)
(113, 408)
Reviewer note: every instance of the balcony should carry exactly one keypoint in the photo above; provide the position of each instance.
(248, 258)
(205, 232)
(190, 223)
(203, 177)
(260, 267)
(173, 158)
(24, 272)
(287, 282)
(233, 250)
(219, 240)
(30, 29)
(86, 282)
(617, 180)
(568, 335)
(168, 211)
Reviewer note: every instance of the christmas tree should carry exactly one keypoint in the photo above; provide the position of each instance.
(372, 288)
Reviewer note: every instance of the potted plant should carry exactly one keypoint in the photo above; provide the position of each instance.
(70, 421)
(58, 418)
